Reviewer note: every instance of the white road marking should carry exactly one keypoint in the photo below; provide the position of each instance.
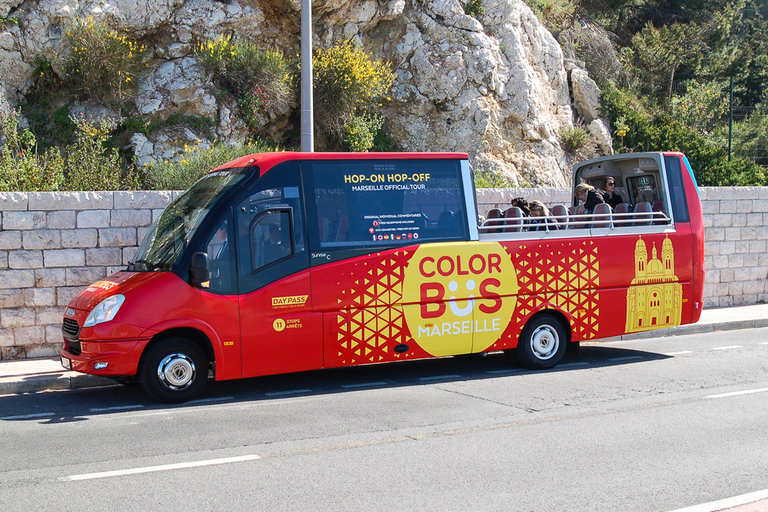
(734, 501)
(495, 372)
(117, 408)
(729, 347)
(739, 393)
(292, 392)
(364, 385)
(165, 467)
(29, 416)
(627, 358)
(681, 353)
(440, 377)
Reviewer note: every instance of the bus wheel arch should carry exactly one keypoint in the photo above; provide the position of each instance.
(174, 366)
(543, 340)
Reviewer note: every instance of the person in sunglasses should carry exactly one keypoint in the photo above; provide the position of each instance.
(608, 191)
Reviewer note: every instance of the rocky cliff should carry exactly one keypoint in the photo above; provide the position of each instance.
(494, 84)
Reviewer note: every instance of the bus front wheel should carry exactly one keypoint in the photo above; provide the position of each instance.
(174, 370)
(542, 343)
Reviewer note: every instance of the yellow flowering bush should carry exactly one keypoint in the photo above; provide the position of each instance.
(257, 77)
(103, 65)
(347, 82)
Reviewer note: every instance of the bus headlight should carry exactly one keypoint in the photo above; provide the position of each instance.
(105, 311)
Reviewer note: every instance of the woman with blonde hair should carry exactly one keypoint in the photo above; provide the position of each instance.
(588, 196)
(540, 217)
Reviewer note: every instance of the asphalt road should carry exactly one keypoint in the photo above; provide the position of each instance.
(647, 425)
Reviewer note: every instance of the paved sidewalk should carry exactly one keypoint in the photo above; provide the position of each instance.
(33, 375)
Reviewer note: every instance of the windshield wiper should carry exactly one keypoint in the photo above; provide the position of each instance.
(141, 266)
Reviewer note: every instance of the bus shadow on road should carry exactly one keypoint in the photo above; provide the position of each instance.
(76, 405)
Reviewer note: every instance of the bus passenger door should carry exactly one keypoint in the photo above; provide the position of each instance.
(279, 331)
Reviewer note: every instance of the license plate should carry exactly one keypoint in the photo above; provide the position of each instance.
(66, 363)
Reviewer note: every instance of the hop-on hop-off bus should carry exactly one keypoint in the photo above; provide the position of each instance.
(285, 262)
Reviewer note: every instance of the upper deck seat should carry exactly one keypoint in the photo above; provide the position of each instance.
(514, 222)
(494, 213)
(560, 213)
(602, 216)
(644, 209)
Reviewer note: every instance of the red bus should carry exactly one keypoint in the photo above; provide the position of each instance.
(284, 262)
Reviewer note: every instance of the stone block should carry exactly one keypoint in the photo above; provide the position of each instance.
(757, 247)
(79, 238)
(733, 234)
(64, 294)
(65, 219)
(7, 339)
(739, 220)
(45, 277)
(64, 258)
(735, 289)
(117, 237)
(26, 336)
(3, 259)
(103, 257)
(115, 269)
(10, 240)
(25, 259)
(126, 200)
(719, 261)
(23, 220)
(41, 239)
(714, 234)
(744, 206)
(754, 287)
(17, 317)
(131, 218)
(83, 276)
(39, 297)
(14, 201)
(757, 273)
(44, 349)
(16, 279)
(754, 219)
(710, 207)
(93, 219)
(723, 220)
(751, 259)
(748, 233)
(49, 316)
(55, 201)
(712, 248)
(12, 298)
(53, 332)
(129, 253)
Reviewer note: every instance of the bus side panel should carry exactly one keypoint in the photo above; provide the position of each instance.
(280, 332)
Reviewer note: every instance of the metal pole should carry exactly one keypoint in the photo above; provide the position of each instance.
(307, 119)
(730, 123)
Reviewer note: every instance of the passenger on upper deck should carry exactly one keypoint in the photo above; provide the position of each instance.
(589, 197)
(522, 204)
(540, 217)
(608, 191)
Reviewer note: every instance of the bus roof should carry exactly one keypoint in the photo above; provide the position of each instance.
(265, 161)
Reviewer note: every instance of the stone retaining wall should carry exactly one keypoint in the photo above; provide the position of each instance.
(52, 244)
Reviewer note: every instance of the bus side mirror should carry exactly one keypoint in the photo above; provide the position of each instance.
(199, 270)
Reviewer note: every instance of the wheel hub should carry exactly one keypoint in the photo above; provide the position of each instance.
(544, 342)
(176, 371)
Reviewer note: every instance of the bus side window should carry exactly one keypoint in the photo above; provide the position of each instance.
(270, 238)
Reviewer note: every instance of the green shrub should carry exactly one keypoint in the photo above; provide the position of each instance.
(360, 132)
(104, 65)
(257, 77)
(487, 179)
(181, 174)
(22, 169)
(645, 131)
(347, 83)
(473, 7)
(573, 138)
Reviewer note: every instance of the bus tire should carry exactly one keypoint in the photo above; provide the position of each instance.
(542, 343)
(174, 370)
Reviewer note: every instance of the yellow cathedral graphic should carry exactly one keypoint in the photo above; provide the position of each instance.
(655, 297)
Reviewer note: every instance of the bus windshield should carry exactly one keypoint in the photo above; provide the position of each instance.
(171, 233)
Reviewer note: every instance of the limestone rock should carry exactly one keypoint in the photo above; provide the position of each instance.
(586, 95)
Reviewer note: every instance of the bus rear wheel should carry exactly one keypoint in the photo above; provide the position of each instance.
(542, 343)
(174, 370)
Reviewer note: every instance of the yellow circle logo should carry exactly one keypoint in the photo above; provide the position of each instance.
(459, 298)
(278, 324)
